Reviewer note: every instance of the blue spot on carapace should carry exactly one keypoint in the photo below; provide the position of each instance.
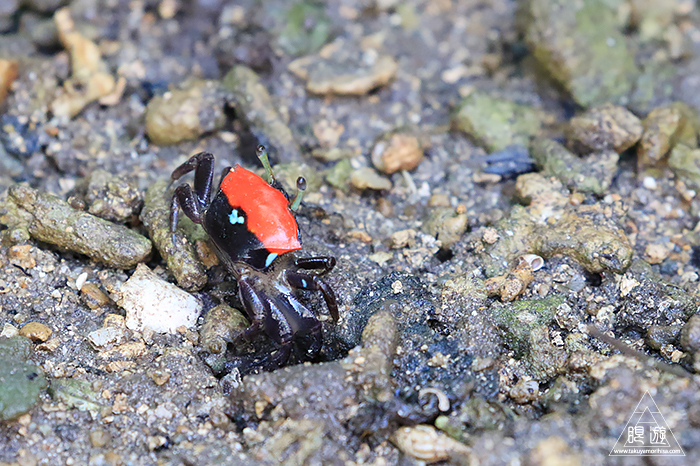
(303, 283)
(270, 258)
(234, 218)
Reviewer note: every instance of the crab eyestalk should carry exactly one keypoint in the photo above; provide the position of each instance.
(301, 187)
(262, 155)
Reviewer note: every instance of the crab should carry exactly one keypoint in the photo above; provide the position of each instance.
(251, 224)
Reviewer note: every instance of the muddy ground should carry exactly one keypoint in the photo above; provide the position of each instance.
(509, 189)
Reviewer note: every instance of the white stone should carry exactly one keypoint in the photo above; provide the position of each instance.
(151, 302)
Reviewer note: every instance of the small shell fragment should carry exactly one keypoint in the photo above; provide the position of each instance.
(535, 261)
(443, 401)
(425, 443)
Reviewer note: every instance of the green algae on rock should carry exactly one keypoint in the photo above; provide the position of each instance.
(307, 28)
(181, 258)
(496, 123)
(592, 174)
(254, 105)
(580, 46)
(585, 236)
(75, 393)
(551, 226)
(685, 163)
(518, 319)
(48, 218)
(185, 113)
(339, 175)
(21, 382)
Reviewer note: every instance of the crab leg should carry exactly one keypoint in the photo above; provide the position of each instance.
(323, 263)
(305, 281)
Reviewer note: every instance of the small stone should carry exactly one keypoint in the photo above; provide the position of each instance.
(490, 235)
(333, 154)
(8, 73)
(160, 377)
(49, 218)
(690, 335)
(685, 163)
(99, 438)
(255, 107)
(656, 253)
(604, 128)
(343, 73)
(9, 331)
(111, 197)
(92, 296)
(106, 337)
(368, 178)
(403, 238)
(22, 382)
(328, 133)
(35, 331)
(446, 224)
(20, 255)
(397, 151)
(592, 174)
(185, 113)
(151, 302)
(525, 391)
(649, 182)
(665, 127)
(90, 77)
(49, 346)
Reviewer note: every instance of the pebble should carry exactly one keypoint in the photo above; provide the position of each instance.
(90, 79)
(20, 255)
(111, 197)
(180, 258)
(525, 391)
(186, 113)
(8, 73)
(255, 107)
(603, 128)
(690, 335)
(106, 337)
(343, 73)
(151, 302)
(9, 331)
(92, 296)
(446, 224)
(397, 151)
(99, 438)
(35, 331)
(50, 219)
(656, 253)
(368, 178)
(664, 127)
